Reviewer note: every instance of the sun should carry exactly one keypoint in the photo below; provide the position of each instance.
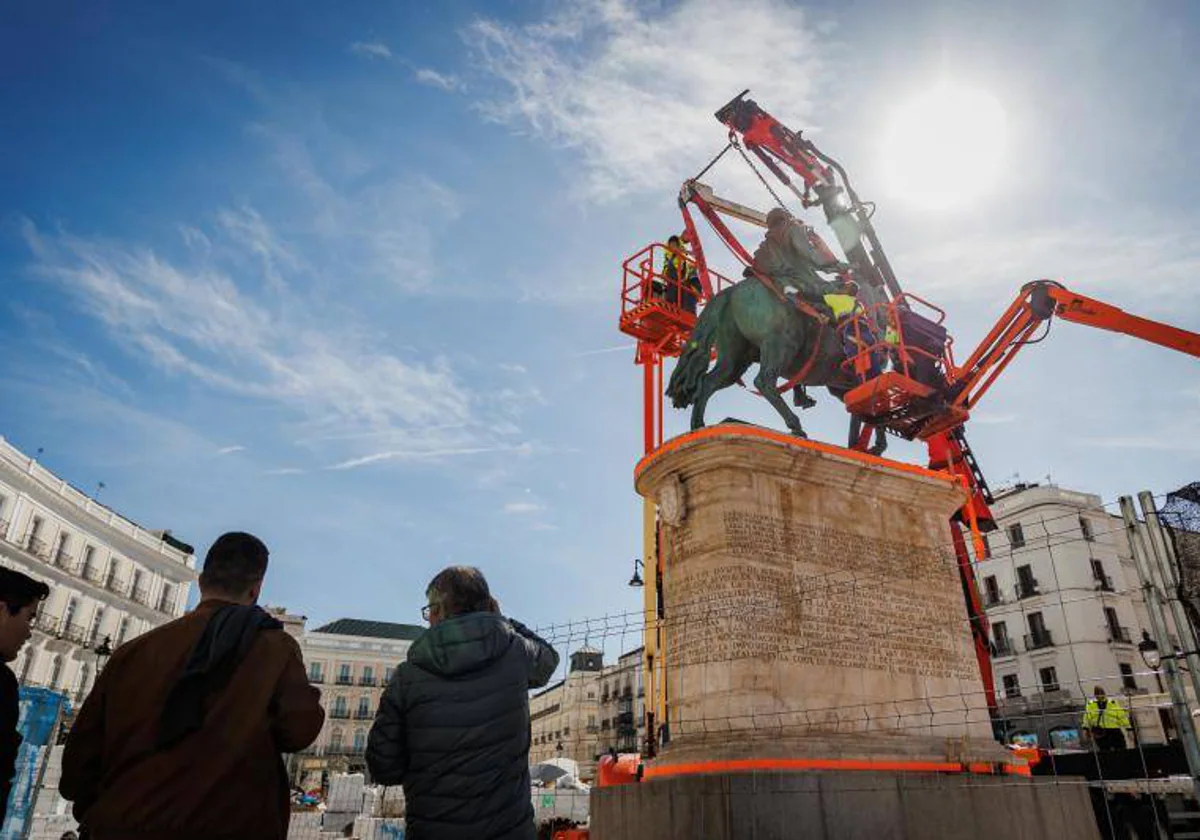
(945, 147)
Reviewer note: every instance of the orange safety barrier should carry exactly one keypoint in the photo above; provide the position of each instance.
(572, 834)
(847, 764)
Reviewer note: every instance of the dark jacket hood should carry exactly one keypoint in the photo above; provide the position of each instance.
(462, 645)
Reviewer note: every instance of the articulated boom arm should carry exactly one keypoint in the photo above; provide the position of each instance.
(1037, 303)
(773, 143)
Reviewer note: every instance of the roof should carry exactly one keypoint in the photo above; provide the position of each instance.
(372, 629)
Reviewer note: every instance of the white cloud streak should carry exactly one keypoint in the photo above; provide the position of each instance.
(523, 508)
(229, 450)
(443, 81)
(371, 49)
(633, 86)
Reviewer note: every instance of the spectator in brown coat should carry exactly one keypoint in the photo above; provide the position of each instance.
(181, 738)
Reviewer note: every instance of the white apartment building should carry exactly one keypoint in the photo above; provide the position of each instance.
(351, 660)
(592, 710)
(1062, 597)
(109, 578)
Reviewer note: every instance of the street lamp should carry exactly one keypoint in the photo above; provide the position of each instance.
(1148, 648)
(102, 651)
(636, 580)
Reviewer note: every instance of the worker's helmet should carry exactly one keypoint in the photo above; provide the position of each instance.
(674, 241)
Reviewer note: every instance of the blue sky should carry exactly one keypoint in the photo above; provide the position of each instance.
(346, 275)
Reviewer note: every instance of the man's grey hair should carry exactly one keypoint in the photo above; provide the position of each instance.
(457, 590)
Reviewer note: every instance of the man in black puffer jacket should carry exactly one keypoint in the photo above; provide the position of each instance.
(453, 724)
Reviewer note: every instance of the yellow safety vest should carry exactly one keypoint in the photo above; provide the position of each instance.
(842, 305)
(673, 266)
(1113, 716)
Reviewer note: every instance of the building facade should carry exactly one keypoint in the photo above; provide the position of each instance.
(351, 661)
(1062, 598)
(593, 710)
(109, 578)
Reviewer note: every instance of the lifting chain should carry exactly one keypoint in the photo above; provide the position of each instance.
(733, 141)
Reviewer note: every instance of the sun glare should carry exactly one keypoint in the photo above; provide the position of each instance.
(944, 147)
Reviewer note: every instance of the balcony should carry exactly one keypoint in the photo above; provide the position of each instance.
(166, 606)
(1038, 641)
(992, 599)
(316, 679)
(1003, 647)
(116, 586)
(75, 633)
(361, 715)
(3, 528)
(592, 729)
(1027, 589)
(625, 706)
(1118, 635)
(141, 595)
(89, 573)
(47, 623)
(64, 561)
(345, 679)
(36, 547)
(340, 714)
(368, 681)
(1103, 583)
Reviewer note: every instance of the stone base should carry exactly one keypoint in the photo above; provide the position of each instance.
(843, 805)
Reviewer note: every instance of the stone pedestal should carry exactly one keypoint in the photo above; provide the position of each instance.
(813, 607)
(820, 674)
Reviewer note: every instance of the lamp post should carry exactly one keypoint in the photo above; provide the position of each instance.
(636, 580)
(102, 651)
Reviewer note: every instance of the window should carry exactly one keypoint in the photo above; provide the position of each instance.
(1085, 526)
(991, 590)
(1104, 581)
(335, 739)
(60, 547)
(387, 674)
(69, 616)
(368, 675)
(110, 579)
(1039, 636)
(1012, 688)
(35, 528)
(344, 676)
(97, 620)
(364, 707)
(591, 695)
(1127, 679)
(123, 630)
(166, 601)
(138, 593)
(55, 670)
(1000, 638)
(3, 502)
(1048, 677)
(987, 547)
(360, 739)
(591, 720)
(314, 672)
(339, 707)
(604, 724)
(1016, 536)
(566, 730)
(81, 687)
(1027, 585)
(89, 560)
(1115, 630)
(28, 663)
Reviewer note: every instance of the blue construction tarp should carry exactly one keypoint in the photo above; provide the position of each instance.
(41, 710)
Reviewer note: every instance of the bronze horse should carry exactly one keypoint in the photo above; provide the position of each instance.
(748, 323)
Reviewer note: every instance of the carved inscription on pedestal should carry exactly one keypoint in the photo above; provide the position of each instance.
(816, 595)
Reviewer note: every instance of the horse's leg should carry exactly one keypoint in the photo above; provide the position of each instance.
(776, 353)
(880, 441)
(732, 361)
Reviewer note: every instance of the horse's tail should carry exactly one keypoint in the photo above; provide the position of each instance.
(693, 363)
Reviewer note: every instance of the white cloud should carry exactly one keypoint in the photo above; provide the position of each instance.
(521, 508)
(196, 320)
(510, 367)
(417, 455)
(371, 49)
(633, 86)
(229, 450)
(285, 471)
(992, 419)
(444, 81)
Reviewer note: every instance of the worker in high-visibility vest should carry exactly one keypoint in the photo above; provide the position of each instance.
(682, 282)
(1106, 720)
